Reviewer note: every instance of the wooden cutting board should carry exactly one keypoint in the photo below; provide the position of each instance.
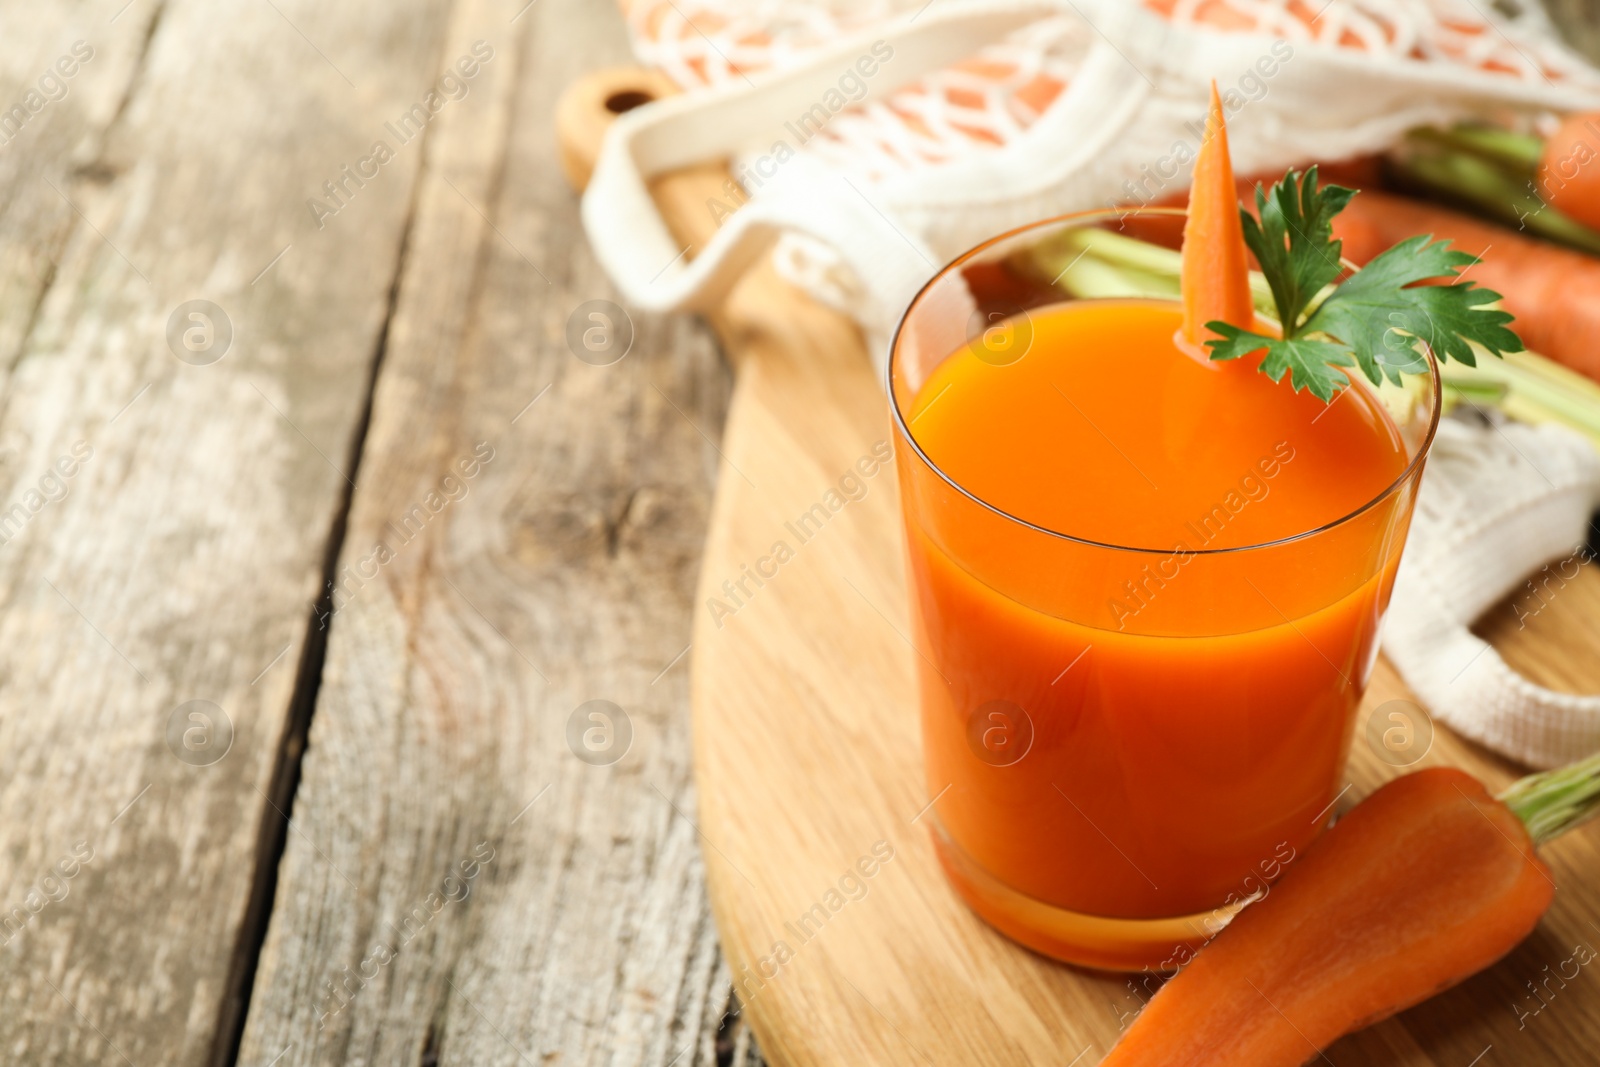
(808, 759)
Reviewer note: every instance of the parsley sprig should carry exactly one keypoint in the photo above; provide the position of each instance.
(1377, 319)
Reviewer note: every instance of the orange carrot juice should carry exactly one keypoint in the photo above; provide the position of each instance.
(1147, 590)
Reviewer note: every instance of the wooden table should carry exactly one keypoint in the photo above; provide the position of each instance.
(319, 538)
(370, 842)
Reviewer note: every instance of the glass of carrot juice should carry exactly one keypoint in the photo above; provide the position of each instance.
(1146, 590)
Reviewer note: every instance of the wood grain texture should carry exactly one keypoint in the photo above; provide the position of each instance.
(44, 153)
(562, 573)
(807, 756)
(182, 559)
(1534, 636)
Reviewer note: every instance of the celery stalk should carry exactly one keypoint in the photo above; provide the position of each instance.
(1517, 152)
(1533, 389)
(1156, 268)
(1089, 277)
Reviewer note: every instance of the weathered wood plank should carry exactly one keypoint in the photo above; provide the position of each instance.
(190, 526)
(562, 573)
(65, 72)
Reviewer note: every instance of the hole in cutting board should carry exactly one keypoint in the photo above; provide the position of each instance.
(626, 100)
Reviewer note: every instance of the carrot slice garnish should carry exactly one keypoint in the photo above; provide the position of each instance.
(1216, 265)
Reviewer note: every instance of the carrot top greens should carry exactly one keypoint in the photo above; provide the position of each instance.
(1377, 319)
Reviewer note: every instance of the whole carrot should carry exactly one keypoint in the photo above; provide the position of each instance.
(1424, 883)
(1553, 292)
(1568, 175)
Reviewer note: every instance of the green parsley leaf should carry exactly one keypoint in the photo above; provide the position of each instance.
(1294, 240)
(1378, 319)
(1311, 364)
(1385, 324)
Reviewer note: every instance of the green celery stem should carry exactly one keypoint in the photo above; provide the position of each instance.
(1517, 151)
(1553, 802)
(1085, 261)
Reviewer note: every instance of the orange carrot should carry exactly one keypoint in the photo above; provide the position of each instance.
(1356, 172)
(1426, 882)
(1216, 264)
(1569, 170)
(1554, 292)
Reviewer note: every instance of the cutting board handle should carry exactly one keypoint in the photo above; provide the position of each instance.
(587, 110)
(761, 318)
(591, 104)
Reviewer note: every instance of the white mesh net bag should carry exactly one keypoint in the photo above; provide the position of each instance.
(981, 115)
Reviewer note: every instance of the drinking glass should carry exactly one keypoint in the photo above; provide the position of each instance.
(1112, 786)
